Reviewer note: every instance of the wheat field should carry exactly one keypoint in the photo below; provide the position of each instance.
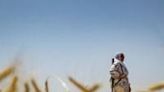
(31, 85)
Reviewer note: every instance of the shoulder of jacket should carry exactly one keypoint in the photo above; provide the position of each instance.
(115, 63)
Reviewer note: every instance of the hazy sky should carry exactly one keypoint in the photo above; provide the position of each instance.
(79, 37)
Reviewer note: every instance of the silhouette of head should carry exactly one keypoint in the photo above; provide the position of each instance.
(120, 56)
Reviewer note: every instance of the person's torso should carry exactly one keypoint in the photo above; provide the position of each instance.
(123, 72)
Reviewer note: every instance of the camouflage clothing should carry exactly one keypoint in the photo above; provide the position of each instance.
(119, 73)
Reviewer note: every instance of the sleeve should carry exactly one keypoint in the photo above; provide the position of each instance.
(125, 72)
(114, 71)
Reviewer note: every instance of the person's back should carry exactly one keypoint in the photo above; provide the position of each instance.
(119, 75)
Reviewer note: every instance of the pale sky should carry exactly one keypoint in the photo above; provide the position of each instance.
(79, 37)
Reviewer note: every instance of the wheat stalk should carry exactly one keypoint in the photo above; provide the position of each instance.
(156, 87)
(35, 86)
(13, 85)
(46, 86)
(5, 73)
(26, 86)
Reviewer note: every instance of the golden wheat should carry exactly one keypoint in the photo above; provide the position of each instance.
(26, 86)
(13, 85)
(5, 73)
(46, 86)
(35, 86)
(156, 87)
(82, 87)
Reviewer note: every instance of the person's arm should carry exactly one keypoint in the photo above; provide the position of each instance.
(114, 71)
(124, 71)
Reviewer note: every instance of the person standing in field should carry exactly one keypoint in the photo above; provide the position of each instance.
(119, 75)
